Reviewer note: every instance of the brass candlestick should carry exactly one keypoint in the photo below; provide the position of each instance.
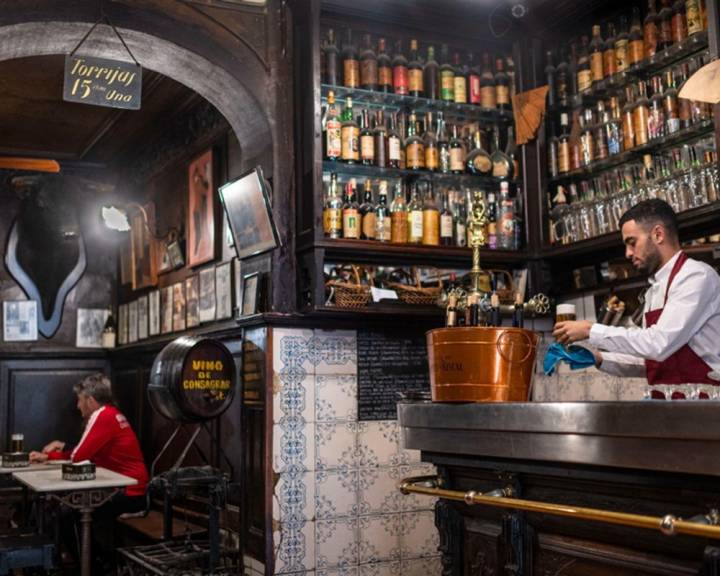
(478, 222)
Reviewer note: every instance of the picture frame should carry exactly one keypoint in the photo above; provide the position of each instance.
(250, 291)
(144, 266)
(246, 202)
(201, 210)
(237, 286)
(154, 313)
(178, 319)
(122, 324)
(166, 309)
(90, 326)
(162, 256)
(132, 322)
(223, 291)
(192, 302)
(206, 307)
(20, 321)
(143, 317)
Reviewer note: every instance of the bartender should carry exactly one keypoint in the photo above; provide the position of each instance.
(679, 341)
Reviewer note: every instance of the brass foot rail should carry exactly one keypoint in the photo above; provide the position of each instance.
(705, 526)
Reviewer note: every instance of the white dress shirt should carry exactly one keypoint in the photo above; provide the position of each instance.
(691, 316)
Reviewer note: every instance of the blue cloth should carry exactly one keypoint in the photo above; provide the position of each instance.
(576, 356)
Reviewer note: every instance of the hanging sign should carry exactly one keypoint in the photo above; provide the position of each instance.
(102, 82)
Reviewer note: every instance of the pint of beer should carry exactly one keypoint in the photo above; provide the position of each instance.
(565, 312)
(17, 442)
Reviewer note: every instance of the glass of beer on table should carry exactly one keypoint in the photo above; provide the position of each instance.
(17, 442)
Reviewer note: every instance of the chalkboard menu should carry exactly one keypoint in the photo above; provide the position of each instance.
(386, 365)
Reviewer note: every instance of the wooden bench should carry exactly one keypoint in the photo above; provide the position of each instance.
(151, 526)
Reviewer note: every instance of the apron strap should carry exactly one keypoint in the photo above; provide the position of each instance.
(676, 268)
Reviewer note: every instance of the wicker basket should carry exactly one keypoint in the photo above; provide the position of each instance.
(417, 294)
(349, 294)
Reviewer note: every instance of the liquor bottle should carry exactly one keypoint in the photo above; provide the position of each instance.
(600, 134)
(333, 129)
(684, 105)
(431, 219)
(400, 71)
(394, 144)
(678, 24)
(487, 84)
(415, 72)
(367, 213)
(443, 145)
(518, 320)
(459, 80)
(584, 74)
(457, 153)
(650, 30)
(432, 155)
(641, 115)
(552, 154)
(381, 140)
(471, 310)
(447, 221)
(491, 209)
(572, 71)
(550, 80)
(402, 131)
(575, 144)
(383, 224)
(349, 135)
(384, 66)
(459, 218)
(518, 210)
(693, 17)
(564, 144)
(367, 140)
(451, 311)
(664, 25)
(656, 118)
(368, 65)
(613, 128)
(473, 80)
(510, 71)
(414, 146)
(511, 152)
(431, 76)
(596, 55)
(507, 218)
(447, 76)
(495, 317)
(587, 142)
(502, 86)
(628, 124)
(622, 40)
(636, 47)
(502, 165)
(108, 341)
(332, 60)
(415, 218)
(351, 66)
(351, 212)
(398, 216)
(609, 60)
(332, 211)
(672, 109)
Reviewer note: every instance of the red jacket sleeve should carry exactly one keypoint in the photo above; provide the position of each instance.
(98, 432)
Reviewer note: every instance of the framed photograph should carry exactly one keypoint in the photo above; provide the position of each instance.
(122, 324)
(223, 290)
(237, 286)
(166, 309)
(247, 205)
(192, 304)
(251, 285)
(206, 309)
(144, 268)
(178, 320)
(201, 210)
(20, 321)
(154, 313)
(132, 322)
(142, 304)
(90, 326)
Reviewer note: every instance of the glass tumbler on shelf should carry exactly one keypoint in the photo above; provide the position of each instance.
(587, 221)
(603, 216)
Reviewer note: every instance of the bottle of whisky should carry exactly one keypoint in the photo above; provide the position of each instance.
(443, 145)
(381, 140)
(447, 232)
(507, 218)
(332, 60)
(584, 74)
(384, 67)
(587, 140)
(457, 153)
(459, 219)
(550, 80)
(398, 216)
(609, 60)
(349, 135)
(368, 65)
(596, 55)
(383, 225)
(432, 157)
(414, 146)
(650, 30)
(351, 212)
(622, 40)
(628, 124)
(415, 217)
(564, 144)
(492, 233)
(351, 65)
(367, 140)
(473, 81)
(332, 211)
(502, 86)
(367, 213)
(636, 47)
(679, 22)
(502, 165)
(447, 76)
(451, 312)
(415, 72)
(641, 115)
(599, 132)
(672, 109)
(431, 79)
(400, 71)
(664, 25)
(459, 80)
(431, 219)
(487, 84)
(656, 117)
(613, 128)
(333, 129)
(394, 144)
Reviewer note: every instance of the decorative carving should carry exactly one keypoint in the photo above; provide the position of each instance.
(85, 499)
(449, 524)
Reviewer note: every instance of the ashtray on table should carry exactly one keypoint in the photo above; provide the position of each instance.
(78, 471)
(15, 459)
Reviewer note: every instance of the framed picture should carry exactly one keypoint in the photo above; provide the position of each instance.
(223, 290)
(144, 269)
(166, 309)
(201, 210)
(154, 313)
(237, 286)
(20, 321)
(122, 324)
(206, 309)
(90, 326)
(192, 304)
(162, 256)
(178, 319)
(251, 284)
(132, 322)
(142, 304)
(247, 205)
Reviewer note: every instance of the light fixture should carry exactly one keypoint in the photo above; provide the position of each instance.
(115, 218)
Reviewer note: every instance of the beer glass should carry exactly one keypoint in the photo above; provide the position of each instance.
(565, 312)
(17, 442)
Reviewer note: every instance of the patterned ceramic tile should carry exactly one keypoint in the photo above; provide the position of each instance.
(379, 538)
(411, 502)
(336, 542)
(418, 534)
(336, 493)
(294, 550)
(382, 569)
(335, 352)
(293, 394)
(341, 571)
(335, 445)
(378, 443)
(404, 457)
(421, 567)
(294, 497)
(335, 397)
(293, 347)
(293, 445)
(378, 492)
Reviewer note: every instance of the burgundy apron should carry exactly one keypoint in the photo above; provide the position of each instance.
(684, 366)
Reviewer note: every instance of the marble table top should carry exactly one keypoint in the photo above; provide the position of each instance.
(33, 467)
(51, 480)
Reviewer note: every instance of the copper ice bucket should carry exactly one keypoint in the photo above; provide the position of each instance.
(476, 364)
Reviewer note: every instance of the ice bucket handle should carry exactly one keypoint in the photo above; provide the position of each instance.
(501, 341)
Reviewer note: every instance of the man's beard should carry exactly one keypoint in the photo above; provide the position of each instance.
(652, 263)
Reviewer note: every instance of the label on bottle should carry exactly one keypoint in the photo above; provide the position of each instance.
(394, 149)
(693, 17)
(333, 138)
(446, 226)
(679, 32)
(457, 163)
(621, 54)
(367, 147)
(332, 221)
(400, 80)
(483, 164)
(584, 78)
(502, 95)
(673, 125)
(507, 227)
(596, 65)
(474, 89)
(447, 85)
(350, 143)
(656, 122)
(368, 72)
(398, 227)
(650, 38)
(613, 139)
(369, 223)
(487, 96)
(587, 151)
(385, 76)
(492, 235)
(383, 228)
(431, 228)
(415, 80)
(415, 155)
(609, 62)
(637, 51)
(415, 219)
(500, 169)
(640, 125)
(564, 156)
(351, 224)
(431, 157)
(460, 89)
(351, 75)
(460, 234)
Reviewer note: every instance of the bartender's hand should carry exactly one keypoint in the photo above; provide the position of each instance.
(38, 456)
(572, 331)
(53, 446)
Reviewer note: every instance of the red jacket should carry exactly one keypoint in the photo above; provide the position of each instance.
(109, 442)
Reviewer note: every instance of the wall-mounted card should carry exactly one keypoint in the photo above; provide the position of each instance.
(122, 324)
(20, 321)
(223, 291)
(132, 322)
(178, 306)
(192, 289)
(142, 317)
(166, 309)
(154, 313)
(207, 295)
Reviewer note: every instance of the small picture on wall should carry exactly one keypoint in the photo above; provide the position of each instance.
(142, 317)
(166, 309)
(178, 306)
(251, 286)
(132, 322)
(201, 210)
(223, 290)
(90, 326)
(237, 286)
(207, 295)
(143, 253)
(19, 321)
(154, 313)
(192, 303)
(122, 324)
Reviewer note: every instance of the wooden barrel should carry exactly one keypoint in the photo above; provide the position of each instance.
(192, 380)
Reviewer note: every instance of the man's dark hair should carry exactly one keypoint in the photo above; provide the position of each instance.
(96, 386)
(652, 212)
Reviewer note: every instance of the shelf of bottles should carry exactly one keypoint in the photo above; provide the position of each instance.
(619, 133)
